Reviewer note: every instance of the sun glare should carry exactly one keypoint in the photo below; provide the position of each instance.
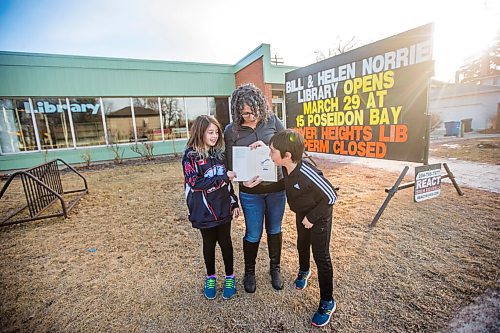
(461, 33)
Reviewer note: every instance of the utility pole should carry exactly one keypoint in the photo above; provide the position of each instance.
(277, 60)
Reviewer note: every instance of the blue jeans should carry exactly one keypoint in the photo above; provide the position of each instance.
(259, 207)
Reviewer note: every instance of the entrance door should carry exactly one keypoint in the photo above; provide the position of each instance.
(279, 105)
(278, 108)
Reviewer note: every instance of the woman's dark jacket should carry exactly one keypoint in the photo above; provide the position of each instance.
(245, 136)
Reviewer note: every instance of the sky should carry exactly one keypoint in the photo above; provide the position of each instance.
(225, 31)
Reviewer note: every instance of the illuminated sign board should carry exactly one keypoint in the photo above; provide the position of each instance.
(368, 102)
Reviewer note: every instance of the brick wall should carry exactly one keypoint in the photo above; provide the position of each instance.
(254, 73)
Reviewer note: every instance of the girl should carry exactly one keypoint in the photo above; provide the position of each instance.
(210, 199)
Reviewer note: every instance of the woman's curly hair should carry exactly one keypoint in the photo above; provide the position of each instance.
(252, 96)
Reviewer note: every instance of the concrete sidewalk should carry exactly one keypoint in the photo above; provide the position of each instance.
(468, 174)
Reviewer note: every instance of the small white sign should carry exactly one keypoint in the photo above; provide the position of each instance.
(248, 163)
(427, 182)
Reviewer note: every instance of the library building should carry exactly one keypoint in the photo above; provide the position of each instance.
(63, 106)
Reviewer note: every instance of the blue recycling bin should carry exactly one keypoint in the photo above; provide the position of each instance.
(452, 128)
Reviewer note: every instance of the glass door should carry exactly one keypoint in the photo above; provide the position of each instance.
(279, 106)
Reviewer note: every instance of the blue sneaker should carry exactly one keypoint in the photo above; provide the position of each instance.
(324, 313)
(301, 280)
(210, 290)
(229, 288)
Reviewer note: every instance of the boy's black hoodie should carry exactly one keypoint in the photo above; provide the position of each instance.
(308, 192)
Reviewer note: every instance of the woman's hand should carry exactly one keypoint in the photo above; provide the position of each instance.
(231, 175)
(257, 144)
(236, 213)
(253, 182)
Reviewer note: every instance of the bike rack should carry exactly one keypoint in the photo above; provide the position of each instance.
(42, 187)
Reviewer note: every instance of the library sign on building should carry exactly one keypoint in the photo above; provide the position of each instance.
(368, 102)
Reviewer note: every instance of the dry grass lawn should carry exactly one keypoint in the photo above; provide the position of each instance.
(485, 150)
(127, 260)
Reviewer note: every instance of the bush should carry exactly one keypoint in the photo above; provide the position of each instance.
(435, 122)
(116, 150)
(145, 150)
(87, 158)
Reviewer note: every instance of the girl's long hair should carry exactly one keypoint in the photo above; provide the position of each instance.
(198, 129)
(252, 96)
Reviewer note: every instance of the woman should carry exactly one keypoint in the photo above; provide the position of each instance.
(253, 125)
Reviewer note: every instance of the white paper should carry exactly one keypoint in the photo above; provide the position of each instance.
(248, 163)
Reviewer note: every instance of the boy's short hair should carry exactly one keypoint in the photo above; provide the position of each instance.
(289, 141)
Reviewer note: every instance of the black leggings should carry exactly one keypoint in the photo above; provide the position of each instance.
(222, 235)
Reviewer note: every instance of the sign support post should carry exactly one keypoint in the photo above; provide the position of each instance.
(390, 194)
(392, 191)
(452, 178)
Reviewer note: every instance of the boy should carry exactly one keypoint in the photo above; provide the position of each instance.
(311, 197)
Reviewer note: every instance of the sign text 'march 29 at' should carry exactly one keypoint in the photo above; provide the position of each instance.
(368, 102)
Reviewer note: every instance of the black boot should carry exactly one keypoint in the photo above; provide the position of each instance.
(250, 253)
(274, 245)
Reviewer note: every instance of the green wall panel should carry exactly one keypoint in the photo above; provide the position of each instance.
(31, 75)
(67, 82)
(55, 75)
(276, 74)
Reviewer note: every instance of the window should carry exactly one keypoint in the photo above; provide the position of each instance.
(196, 106)
(174, 117)
(119, 124)
(211, 106)
(279, 105)
(52, 121)
(147, 119)
(16, 126)
(155, 119)
(87, 121)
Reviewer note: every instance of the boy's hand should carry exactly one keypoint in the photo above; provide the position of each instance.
(236, 213)
(306, 223)
(257, 144)
(253, 182)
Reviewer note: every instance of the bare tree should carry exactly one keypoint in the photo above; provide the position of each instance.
(148, 102)
(340, 46)
(481, 65)
(171, 112)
